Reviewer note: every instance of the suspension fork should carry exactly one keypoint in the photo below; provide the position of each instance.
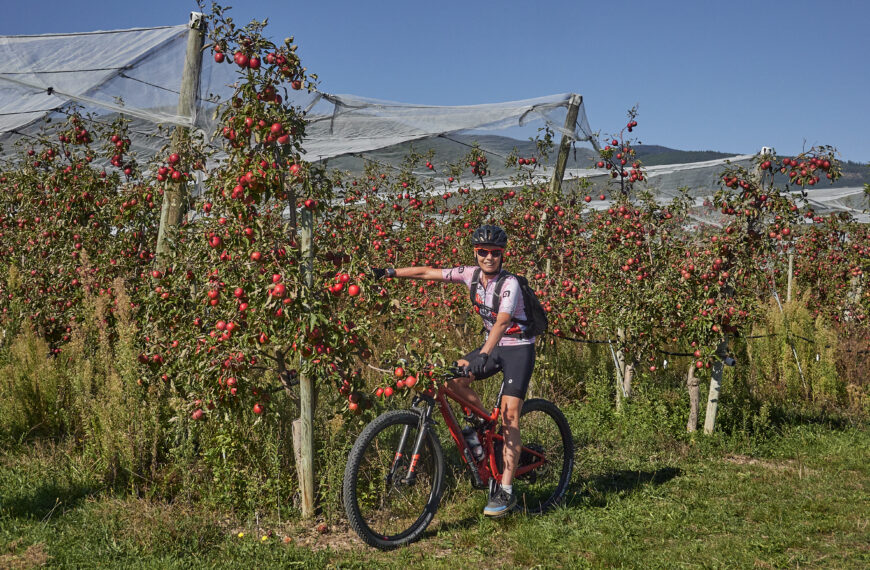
(423, 427)
(399, 453)
(425, 421)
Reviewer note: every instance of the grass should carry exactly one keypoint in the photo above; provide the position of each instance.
(799, 498)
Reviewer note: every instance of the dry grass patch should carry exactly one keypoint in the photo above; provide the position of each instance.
(33, 556)
(790, 465)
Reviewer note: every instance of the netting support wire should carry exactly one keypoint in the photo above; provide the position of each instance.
(151, 117)
(51, 110)
(790, 342)
(485, 151)
(174, 119)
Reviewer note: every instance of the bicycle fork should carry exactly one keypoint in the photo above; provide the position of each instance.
(411, 476)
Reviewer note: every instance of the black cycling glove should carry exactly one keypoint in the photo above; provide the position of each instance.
(380, 273)
(477, 364)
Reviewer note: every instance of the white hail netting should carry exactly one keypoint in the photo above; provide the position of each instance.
(138, 72)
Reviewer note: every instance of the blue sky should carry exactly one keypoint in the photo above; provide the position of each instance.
(706, 75)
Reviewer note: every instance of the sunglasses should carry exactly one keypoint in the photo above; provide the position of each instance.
(483, 252)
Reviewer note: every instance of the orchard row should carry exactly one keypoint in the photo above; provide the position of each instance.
(238, 297)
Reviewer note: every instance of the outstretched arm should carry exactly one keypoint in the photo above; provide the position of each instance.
(427, 273)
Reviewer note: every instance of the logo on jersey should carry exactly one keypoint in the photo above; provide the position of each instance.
(505, 294)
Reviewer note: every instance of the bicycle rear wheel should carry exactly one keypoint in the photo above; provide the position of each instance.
(385, 507)
(545, 432)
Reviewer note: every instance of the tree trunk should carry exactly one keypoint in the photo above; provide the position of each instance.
(715, 388)
(694, 398)
(627, 376)
(620, 369)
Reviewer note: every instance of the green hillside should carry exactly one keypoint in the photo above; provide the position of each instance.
(451, 148)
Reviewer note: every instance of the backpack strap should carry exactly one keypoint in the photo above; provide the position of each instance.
(497, 300)
(475, 281)
(496, 297)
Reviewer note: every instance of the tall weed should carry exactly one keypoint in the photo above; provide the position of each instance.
(33, 395)
(89, 391)
(793, 362)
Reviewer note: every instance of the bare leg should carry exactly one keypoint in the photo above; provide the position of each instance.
(462, 388)
(511, 406)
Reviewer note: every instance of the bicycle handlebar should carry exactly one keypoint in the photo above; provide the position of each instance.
(458, 371)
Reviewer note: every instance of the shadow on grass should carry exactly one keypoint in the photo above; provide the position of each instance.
(594, 491)
(784, 417)
(39, 503)
(588, 493)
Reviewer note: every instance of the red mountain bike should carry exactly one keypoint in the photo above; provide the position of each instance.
(395, 472)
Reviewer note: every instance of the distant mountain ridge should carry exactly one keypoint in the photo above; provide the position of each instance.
(451, 148)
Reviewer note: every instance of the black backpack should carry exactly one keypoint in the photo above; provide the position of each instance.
(536, 316)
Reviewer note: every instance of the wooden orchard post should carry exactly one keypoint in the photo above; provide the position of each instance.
(303, 427)
(620, 387)
(562, 160)
(565, 145)
(174, 205)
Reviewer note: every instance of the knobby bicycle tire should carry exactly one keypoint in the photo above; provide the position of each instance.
(543, 428)
(387, 513)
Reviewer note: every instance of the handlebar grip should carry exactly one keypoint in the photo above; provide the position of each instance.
(459, 371)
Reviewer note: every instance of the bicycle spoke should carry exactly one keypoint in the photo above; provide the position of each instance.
(544, 433)
(389, 508)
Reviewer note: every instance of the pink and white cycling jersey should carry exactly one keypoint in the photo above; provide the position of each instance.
(511, 301)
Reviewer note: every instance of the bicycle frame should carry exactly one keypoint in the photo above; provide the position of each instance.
(396, 473)
(484, 471)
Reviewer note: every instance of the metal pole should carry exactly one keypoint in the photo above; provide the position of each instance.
(790, 276)
(174, 205)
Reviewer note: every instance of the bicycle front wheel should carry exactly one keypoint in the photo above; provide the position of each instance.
(387, 503)
(547, 460)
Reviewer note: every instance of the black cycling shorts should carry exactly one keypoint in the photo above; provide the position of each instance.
(516, 362)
